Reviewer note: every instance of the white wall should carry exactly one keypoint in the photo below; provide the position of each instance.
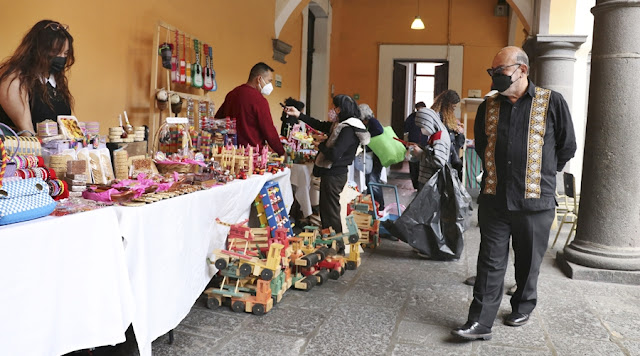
(410, 99)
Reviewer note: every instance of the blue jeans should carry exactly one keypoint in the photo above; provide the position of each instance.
(374, 177)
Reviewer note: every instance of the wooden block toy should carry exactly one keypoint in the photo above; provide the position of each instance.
(76, 166)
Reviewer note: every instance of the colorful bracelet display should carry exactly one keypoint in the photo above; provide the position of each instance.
(26, 162)
(37, 172)
(56, 187)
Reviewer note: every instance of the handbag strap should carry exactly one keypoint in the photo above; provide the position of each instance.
(15, 152)
(3, 157)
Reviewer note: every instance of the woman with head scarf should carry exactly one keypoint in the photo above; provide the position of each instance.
(436, 154)
(335, 154)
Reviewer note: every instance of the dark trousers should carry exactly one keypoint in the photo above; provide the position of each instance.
(374, 177)
(414, 171)
(330, 189)
(529, 232)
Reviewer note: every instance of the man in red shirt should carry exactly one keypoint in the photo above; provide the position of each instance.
(247, 104)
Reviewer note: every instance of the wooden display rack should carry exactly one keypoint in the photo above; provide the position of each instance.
(158, 76)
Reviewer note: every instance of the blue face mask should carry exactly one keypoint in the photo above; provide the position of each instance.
(57, 64)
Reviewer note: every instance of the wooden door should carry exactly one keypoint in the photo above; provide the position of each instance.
(441, 80)
(399, 98)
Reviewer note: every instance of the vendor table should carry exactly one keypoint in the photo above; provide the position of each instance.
(64, 283)
(167, 244)
(301, 175)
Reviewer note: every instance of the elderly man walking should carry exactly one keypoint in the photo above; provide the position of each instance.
(524, 134)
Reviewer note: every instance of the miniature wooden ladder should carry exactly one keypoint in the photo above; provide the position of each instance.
(271, 208)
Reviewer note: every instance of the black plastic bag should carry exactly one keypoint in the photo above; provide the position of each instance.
(435, 220)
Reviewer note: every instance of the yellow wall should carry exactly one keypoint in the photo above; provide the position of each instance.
(562, 17)
(113, 41)
(359, 26)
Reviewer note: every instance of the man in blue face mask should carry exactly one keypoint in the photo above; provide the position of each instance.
(524, 134)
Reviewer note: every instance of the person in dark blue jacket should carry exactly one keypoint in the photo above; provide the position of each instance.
(375, 128)
(414, 135)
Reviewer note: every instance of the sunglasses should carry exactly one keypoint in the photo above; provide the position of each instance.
(57, 26)
(500, 70)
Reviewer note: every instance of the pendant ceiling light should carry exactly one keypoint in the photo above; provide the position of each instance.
(417, 23)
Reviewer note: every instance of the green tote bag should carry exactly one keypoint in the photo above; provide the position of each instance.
(388, 150)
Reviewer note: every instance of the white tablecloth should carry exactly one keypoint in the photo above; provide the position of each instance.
(167, 244)
(301, 175)
(64, 284)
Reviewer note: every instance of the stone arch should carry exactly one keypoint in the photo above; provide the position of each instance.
(284, 8)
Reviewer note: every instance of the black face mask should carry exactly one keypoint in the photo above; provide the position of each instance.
(57, 64)
(501, 82)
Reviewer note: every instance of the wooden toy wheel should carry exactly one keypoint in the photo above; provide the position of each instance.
(351, 265)
(213, 303)
(220, 263)
(333, 274)
(322, 252)
(237, 306)
(353, 238)
(331, 252)
(258, 309)
(323, 276)
(244, 270)
(266, 274)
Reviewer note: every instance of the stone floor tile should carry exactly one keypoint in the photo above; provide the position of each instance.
(410, 332)
(257, 343)
(184, 344)
(590, 288)
(530, 335)
(309, 301)
(439, 304)
(581, 347)
(569, 323)
(210, 324)
(491, 349)
(354, 329)
(391, 296)
(631, 347)
(625, 326)
(451, 349)
(286, 321)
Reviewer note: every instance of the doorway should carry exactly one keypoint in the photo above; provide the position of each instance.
(314, 81)
(415, 81)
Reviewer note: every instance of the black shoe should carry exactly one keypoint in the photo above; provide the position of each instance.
(473, 331)
(471, 281)
(516, 319)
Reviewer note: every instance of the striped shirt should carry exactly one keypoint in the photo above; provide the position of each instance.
(437, 154)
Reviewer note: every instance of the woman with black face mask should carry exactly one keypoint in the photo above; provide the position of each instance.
(33, 84)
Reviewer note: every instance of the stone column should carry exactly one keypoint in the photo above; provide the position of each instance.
(555, 58)
(608, 236)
